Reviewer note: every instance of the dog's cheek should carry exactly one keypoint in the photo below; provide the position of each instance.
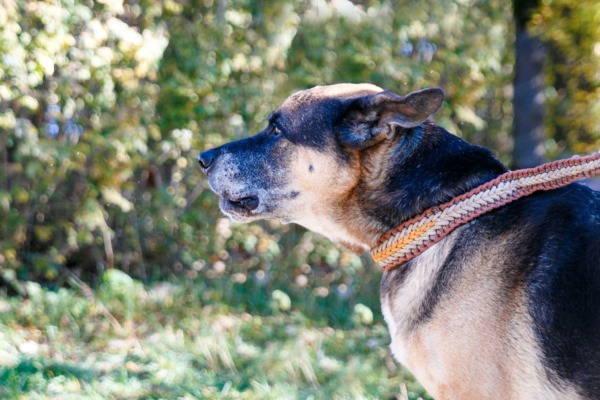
(317, 176)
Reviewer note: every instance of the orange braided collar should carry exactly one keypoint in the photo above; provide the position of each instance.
(416, 235)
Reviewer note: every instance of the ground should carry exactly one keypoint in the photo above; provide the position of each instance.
(130, 341)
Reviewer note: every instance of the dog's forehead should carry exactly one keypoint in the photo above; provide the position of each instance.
(341, 91)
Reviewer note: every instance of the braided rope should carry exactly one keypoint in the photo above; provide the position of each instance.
(416, 235)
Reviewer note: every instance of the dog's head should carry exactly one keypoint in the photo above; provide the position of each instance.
(320, 150)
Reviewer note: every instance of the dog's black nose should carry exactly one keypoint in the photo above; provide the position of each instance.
(206, 159)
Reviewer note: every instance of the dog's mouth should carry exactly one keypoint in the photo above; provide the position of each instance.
(249, 203)
(241, 207)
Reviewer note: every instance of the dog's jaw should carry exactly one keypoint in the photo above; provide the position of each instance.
(336, 232)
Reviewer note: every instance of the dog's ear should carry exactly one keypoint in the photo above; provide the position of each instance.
(375, 117)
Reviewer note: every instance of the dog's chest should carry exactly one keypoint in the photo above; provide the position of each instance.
(403, 298)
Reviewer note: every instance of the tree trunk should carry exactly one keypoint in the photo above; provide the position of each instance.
(529, 99)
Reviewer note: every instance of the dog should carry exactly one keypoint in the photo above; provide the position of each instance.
(505, 307)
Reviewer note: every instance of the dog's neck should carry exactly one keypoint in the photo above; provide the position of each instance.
(420, 168)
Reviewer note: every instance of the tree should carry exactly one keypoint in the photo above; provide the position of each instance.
(556, 86)
(529, 98)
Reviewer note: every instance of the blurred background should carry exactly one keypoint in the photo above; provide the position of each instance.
(120, 278)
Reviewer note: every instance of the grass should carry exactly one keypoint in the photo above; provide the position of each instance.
(130, 341)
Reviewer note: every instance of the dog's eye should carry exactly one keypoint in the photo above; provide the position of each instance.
(275, 131)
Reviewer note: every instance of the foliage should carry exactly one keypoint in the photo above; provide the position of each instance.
(571, 30)
(77, 87)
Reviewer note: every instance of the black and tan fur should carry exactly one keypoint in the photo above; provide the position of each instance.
(505, 307)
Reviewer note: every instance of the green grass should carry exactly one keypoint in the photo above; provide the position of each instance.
(128, 341)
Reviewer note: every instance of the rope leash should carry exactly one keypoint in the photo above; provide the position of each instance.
(416, 235)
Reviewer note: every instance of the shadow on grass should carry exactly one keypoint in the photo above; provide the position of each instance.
(30, 374)
(34, 376)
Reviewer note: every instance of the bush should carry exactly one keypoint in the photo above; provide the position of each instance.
(104, 106)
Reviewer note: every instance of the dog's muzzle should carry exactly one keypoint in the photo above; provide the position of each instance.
(206, 160)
